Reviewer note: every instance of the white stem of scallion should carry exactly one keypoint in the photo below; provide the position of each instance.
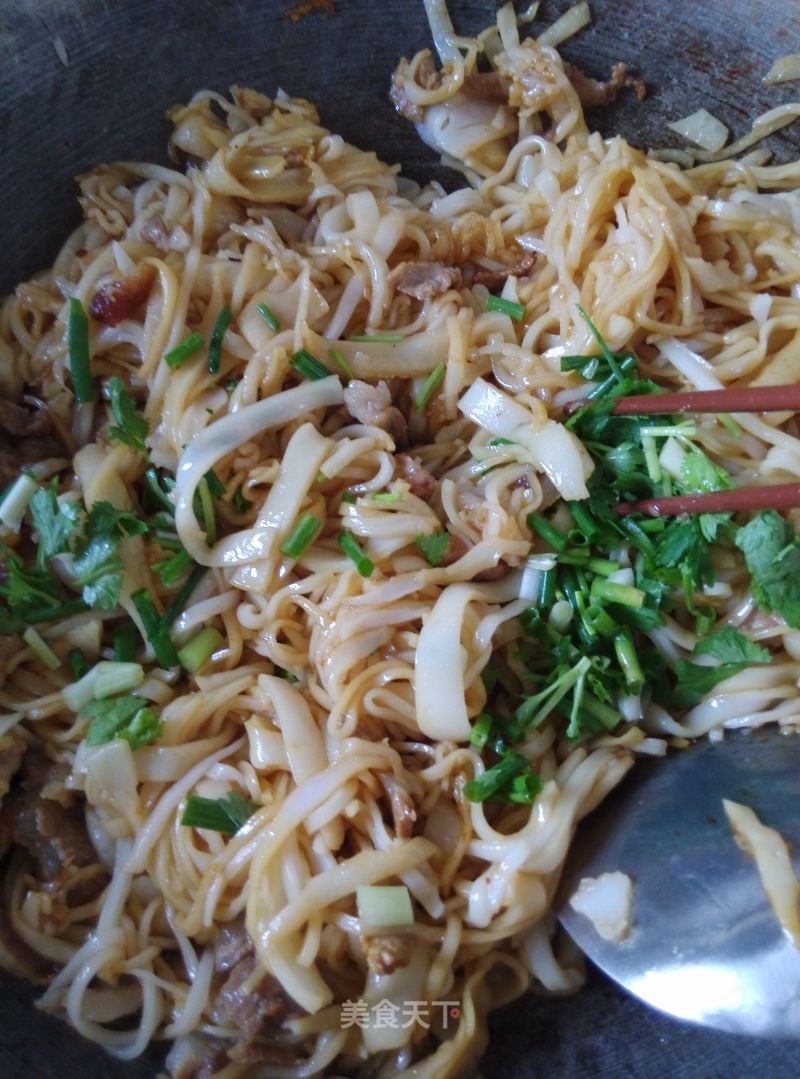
(41, 648)
(385, 905)
(15, 502)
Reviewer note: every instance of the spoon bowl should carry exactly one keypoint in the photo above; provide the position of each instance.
(704, 944)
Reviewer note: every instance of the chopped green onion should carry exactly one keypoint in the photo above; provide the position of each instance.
(515, 311)
(225, 815)
(240, 503)
(629, 661)
(612, 592)
(493, 779)
(153, 481)
(610, 358)
(156, 630)
(380, 906)
(224, 319)
(41, 648)
(433, 545)
(230, 384)
(429, 387)
(524, 788)
(181, 599)
(598, 621)
(348, 498)
(268, 316)
(500, 442)
(182, 352)
(309, 367)
(105, 679)
(584, 522)
(172, 569)
(60, 610)
(207, 509)
(194, 654)
(561, 614)
(302, 536)
(481, 730)
(350, 546)
(542, 527)
(292, 679)
(602, 388)
(15, 501)
(377, 338)
(651, 458)
(387, 497)
(112, 678)
(78, 663)
(125, 643)
(79, 363)
(215, 484)
(340, 362)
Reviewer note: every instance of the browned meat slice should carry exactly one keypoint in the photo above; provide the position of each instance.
(404, 811)
(373, 406)
(43, 817)
(473, 274)
(23, 422)
(424, 280)
(12, 750)
(427, 78)
(421, 482)
(121, 299)
(231, 945)
(254, 1011)
(387, 952)
(488, 86)
(197, 1056)
(593, 93)
(21, 453)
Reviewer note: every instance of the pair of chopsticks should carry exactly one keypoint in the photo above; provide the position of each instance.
(745, 399)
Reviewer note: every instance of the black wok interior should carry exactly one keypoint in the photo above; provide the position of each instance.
(126, 62)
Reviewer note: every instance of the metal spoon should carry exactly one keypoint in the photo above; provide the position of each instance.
(704, 945)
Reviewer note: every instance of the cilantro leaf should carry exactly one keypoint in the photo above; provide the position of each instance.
(699, 473)
(772, 555)
(731, 646)
(98, 570)
(24, 589)
(433, 546)
(107, 520)
(132, 427)
(54, 522)
(128, 718)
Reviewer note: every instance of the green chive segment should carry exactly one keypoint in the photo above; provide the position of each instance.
(351, 547)
(308, 366)
(515, 311)
(225, 815)
(184, 351)
(429, 387)
(302, 536)
(200, 648)
(224, 319)
(341, 362)
(78, 341)
(269, 316)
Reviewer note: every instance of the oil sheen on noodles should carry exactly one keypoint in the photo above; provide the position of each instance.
(246, 948)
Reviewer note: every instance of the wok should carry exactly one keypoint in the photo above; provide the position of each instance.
(83, 81)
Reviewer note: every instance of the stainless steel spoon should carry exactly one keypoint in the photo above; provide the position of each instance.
(705, 945)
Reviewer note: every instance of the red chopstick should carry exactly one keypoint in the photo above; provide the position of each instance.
(780, 496)
(743, 399)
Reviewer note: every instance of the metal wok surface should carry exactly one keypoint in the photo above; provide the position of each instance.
(126, 62)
